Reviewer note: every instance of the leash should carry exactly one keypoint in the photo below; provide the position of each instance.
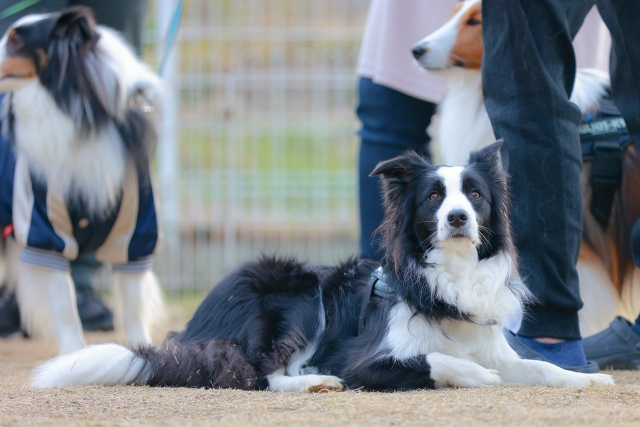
(172, 33)
(18, 7)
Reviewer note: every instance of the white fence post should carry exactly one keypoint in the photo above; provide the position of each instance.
(168, 143)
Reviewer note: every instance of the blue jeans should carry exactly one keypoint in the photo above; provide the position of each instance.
(392, 123)
(528, 73)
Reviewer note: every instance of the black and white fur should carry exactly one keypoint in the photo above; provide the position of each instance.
(284, 325)
(69, 111)
(609, 282)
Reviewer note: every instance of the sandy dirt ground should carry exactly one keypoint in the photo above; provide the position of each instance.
(138, 406)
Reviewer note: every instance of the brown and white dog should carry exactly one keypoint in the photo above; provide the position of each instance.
(608, 277)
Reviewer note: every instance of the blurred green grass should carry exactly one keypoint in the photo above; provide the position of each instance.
(187, 300)
(289, 148)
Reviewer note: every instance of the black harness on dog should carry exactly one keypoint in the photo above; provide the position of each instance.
(376, 286)
(604, 137)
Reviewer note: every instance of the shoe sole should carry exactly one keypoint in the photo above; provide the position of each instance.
(621, 365)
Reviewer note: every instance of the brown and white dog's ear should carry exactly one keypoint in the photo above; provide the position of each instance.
(468, 49)
(78, 24)
(457, 7)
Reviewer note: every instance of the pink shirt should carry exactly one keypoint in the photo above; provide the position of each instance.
(393, 26)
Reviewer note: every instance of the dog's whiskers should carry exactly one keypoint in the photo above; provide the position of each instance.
(430, 220)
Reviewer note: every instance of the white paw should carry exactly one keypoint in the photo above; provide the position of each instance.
(318, 383)
(601, 380)
(448, 371)
(303, 383)
(479, 378)
(578, 380)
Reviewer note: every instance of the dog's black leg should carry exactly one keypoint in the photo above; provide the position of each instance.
(390, 374)
(436, 370)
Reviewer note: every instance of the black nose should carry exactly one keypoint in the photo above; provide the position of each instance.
(418, 51)
(457, 218)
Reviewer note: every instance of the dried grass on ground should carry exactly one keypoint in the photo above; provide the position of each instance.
(134, 406)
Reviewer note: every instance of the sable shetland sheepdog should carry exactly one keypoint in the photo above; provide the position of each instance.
(609, 280)
(434, 317)
(75, 141)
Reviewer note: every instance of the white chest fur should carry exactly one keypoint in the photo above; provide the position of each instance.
(478, 288)
(475, 287)
(88, 166)
(409, 336)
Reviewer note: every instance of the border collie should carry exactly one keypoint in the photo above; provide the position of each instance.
(433, 318)
(609, 280)
(76, 138)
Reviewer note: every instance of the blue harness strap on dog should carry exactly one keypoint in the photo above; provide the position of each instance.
(603, 138)
(376, 286)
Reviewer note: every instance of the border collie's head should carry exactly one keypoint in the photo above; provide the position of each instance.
(444, 207)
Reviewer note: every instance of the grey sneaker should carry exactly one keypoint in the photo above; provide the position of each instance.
(617, 347)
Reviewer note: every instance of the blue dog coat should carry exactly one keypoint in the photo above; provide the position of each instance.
(54, 231)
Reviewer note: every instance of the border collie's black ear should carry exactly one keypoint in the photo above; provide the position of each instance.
(399, 165)
(77, 22)
(496, 154)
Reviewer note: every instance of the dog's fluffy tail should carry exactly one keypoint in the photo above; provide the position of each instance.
(107, 364)
(212, 364)
(590, 86)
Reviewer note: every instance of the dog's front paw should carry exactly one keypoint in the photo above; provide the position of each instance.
(601, 380)
(303, 383)
(586, 380)
(319, 383)
(481, 378)
(448, 371)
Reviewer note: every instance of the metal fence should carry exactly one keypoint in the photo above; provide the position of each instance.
(258, 148)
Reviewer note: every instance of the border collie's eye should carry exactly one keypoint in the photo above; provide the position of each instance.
(434, 196)
(473, 22)
(475, 194)
(13, 42)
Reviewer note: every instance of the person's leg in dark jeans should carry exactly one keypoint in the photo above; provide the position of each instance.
(9, 312)
(528, 74)
(392, 122)
(94, 314)
(619, 345)
(622, 18)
